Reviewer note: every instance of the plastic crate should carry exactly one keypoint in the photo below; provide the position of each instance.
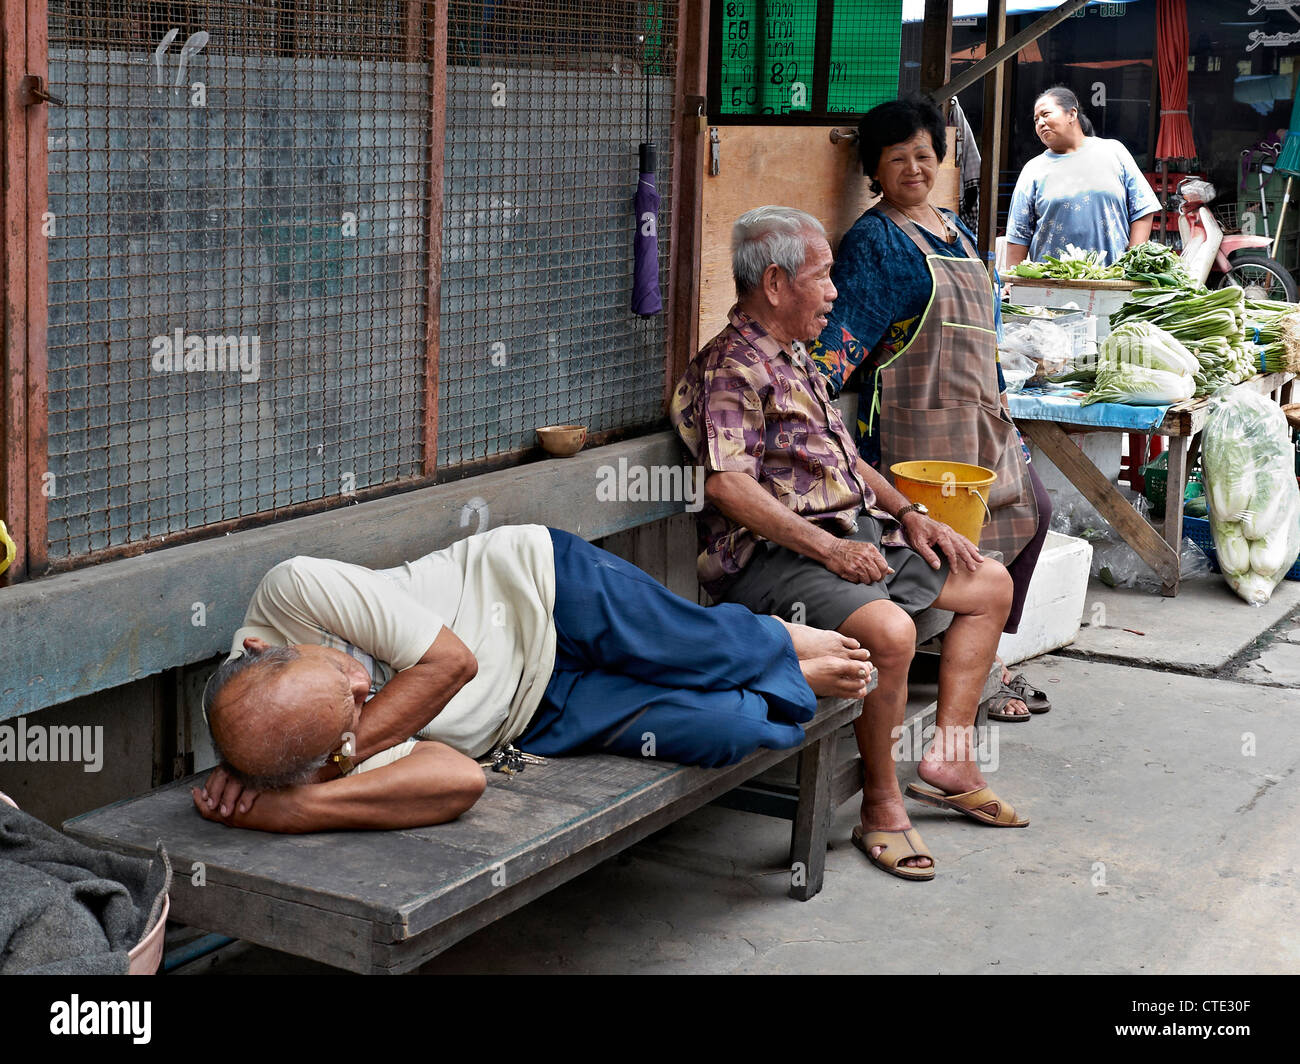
(1155, 482)
(1197, 529)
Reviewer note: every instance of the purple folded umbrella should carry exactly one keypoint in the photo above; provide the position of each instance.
(646, 300)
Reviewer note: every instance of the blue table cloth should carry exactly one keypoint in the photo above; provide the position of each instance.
(1065, 407)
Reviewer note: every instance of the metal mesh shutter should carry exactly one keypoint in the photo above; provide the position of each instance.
(545, 111)
(272, 227)
(280, 223)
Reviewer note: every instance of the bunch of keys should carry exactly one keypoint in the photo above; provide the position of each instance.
(511, 761)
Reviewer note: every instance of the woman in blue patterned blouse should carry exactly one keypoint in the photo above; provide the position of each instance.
(904, 274)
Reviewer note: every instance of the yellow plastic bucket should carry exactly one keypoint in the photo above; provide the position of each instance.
(954, 492)
(8, 550)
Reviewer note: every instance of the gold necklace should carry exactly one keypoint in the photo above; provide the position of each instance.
(933, 213)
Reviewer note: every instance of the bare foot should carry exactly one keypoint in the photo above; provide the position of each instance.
(821, 643)
(889, 814)
(949, 764)
(836, 677)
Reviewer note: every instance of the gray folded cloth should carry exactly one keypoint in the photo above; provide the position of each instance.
(68, 909)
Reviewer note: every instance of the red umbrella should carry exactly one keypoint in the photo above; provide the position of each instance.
(1171, 53)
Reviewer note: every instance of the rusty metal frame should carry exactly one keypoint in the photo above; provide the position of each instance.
(433, 262)
(13, 274)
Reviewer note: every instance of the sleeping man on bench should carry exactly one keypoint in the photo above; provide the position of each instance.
(522, 635)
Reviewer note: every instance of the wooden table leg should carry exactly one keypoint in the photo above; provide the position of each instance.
(812, 822)
(1175, 488)
(1124, 519)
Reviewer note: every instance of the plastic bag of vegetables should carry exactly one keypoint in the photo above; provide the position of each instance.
(1139, 363)
(1254, 500)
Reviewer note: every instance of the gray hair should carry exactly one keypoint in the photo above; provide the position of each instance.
(300, 767)
(768, 235)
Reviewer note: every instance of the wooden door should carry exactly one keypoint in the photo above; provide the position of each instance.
(796, 166)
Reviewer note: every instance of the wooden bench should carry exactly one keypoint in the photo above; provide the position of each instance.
(384, 902)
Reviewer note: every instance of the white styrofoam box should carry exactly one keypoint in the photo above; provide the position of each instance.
(1101, 303)
(1055, 602)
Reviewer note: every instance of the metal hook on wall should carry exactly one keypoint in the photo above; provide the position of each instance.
(192, 46)
(158, 52)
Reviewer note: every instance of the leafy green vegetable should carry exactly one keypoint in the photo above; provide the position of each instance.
(1155, 265)
(1075, 265)
(1139, 386)
(1211, 325)
(1139, 343)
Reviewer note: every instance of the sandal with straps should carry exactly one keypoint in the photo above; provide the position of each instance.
(995, 705)
(1035, 700)
(895, 847)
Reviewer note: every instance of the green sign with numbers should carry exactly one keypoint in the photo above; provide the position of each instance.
(769, 50)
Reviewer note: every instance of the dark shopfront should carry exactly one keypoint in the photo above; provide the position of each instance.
(1242, 71)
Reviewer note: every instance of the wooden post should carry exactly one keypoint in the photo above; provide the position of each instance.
(683, 312)
(991, 131)
(13, 272)
(936, 45)
(24, 451)
(812, 819)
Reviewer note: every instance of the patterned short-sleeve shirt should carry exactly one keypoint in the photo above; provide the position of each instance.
(746, 404)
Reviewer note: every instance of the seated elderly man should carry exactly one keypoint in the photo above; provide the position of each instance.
(797, 525)
(523, 634)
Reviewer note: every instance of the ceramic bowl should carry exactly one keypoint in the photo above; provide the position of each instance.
(562, 441)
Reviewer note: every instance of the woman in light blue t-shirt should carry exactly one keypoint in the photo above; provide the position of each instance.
(1083, 190)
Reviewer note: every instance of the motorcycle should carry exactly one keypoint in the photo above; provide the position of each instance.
(1218, 259)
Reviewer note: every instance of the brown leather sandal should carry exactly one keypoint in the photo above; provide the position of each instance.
(982, 805)
(896, 846)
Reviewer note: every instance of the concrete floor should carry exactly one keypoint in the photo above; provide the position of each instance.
(1165, 838)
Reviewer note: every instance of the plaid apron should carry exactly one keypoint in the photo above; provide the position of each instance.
(943, 402)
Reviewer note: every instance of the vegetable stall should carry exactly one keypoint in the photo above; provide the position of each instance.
(1158, 346)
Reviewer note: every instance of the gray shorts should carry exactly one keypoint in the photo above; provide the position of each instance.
(777, 580)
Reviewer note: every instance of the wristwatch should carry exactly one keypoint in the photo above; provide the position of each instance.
(919, 507)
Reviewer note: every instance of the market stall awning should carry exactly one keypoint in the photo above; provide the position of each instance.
(914, 10)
